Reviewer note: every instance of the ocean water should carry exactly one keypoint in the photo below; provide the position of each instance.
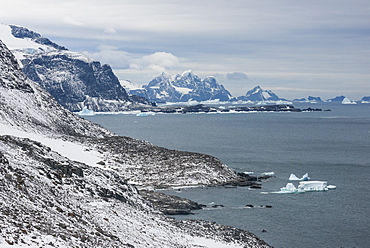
(332, 146)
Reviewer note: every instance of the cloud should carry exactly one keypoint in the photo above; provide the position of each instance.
(159, 61)
(110, 31)
(237, 76)
(72, 21)
(112, 56)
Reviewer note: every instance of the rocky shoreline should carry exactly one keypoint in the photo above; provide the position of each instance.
(175, 205)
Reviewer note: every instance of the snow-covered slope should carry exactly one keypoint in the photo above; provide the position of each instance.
(73, 79)
(51, 197)
(182, 88)
(48, 200)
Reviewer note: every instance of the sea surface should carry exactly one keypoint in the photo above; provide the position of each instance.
(330, 145)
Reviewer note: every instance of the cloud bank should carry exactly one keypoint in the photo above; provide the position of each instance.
(156, 62)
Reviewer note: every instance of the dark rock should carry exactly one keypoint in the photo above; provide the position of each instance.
(169, 204)
(255, 187)
(3, 159)
(218, 206)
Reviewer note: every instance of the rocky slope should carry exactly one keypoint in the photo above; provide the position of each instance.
(51, 200)
(74, 80)
(182, 88)
(48, 200)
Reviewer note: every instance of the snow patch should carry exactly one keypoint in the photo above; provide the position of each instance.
(208, 243)
(73, 151)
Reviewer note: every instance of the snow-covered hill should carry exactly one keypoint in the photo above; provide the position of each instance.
(182, 88)
(73, 79)
(53, 193)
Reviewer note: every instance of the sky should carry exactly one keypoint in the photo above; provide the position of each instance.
(295, 48)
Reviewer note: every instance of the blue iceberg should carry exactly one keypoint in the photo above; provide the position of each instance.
(86, 111)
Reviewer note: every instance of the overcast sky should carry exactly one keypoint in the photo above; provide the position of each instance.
(295, 48)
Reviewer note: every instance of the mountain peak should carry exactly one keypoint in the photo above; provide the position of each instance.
(258, 94)
(182, 88)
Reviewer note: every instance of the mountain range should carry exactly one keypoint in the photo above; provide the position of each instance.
(66, 182)
(78, 82)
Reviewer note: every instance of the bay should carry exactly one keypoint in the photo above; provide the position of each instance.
(332, 146)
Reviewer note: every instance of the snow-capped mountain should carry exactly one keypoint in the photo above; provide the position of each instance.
(182, 88)
(365, 99)
(310, 99)
(341, 99)
(336, 99)
(73, 79)
(257, 94)
(53, 193)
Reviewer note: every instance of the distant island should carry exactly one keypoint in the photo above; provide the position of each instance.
(201, 108)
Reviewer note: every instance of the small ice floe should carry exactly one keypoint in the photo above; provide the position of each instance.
(145, 114)
(331, 187)
(271, 173)
(85, 111)
(305, 186)
(295, 178)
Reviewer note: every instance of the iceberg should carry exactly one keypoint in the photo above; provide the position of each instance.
(271, 173)
(145, 114)
(313, 186)
(305, 186)
(347, 101)
(85, 111)
(295, 178)
(288, 189)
